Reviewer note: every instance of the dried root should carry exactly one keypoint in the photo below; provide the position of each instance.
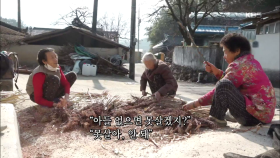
(104, 105)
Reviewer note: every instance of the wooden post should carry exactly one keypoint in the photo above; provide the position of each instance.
(132, 42)
(19, 17)
(94, 17)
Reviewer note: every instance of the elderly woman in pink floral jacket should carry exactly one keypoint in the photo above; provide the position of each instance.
(244, 89)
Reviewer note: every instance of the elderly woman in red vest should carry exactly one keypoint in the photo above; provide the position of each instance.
(244, 89)
(47, 83)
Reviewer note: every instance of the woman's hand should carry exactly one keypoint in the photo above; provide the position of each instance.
(63, 103)
(69, 103)
(191, 105)
(211, 68)
(144, 93)
(57, 105)
(158, 96)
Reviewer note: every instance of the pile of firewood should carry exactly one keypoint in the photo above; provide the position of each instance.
(103, 66)
(78, 116)
(106, 67)
(63, 55)
(185, 73)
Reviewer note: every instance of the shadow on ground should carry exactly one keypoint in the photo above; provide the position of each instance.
(114, 78)
(253, 135)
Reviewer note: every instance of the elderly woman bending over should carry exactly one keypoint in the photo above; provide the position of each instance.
(244, 89)
(159, 77)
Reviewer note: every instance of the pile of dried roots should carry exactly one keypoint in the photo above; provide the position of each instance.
(87, 105)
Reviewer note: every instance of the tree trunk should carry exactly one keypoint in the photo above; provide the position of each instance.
(185, 36)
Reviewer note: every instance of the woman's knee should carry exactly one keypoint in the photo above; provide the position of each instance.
(71, 76)
(224, 84)
(52, 79)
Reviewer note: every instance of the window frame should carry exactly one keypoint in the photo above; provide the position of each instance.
(265, 29)
(277, 22)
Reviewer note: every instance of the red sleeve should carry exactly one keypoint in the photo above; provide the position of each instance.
(207, 99)
(38, 81)
(64, 82)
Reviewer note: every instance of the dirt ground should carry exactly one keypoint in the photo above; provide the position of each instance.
(209, 143)
(43, 139)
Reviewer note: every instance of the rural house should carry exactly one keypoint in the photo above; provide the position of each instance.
(264, 31)
(70, 35)
(9, 35)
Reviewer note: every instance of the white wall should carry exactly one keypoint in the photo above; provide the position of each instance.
(28, 53)
(267, 53)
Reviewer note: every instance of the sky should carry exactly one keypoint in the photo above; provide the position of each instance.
(41, 13)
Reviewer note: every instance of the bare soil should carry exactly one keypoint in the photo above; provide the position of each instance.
(41, 136)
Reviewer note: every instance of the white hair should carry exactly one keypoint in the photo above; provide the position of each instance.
(148, 56)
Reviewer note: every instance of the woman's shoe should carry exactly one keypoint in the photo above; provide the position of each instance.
(229, 117)
(220, 123)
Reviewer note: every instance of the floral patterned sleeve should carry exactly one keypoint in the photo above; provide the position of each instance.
(207, 98)
(220, 75)
(233, 73)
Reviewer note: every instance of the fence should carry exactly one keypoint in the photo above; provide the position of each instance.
(189, 57)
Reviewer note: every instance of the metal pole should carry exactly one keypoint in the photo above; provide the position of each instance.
(132, 42)
(19, 18)
(94, 17)
(139, 21)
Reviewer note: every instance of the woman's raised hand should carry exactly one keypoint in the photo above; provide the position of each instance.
(211, 68)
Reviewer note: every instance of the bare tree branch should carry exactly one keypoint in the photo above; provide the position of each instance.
(172, 11)
(81, 13)
(180, 10)
(191, 5)
(157, 11)
(206, 13)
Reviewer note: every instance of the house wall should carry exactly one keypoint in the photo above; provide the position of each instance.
(28, 53)
(267, 53)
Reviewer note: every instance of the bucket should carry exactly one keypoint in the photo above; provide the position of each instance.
(89, 70)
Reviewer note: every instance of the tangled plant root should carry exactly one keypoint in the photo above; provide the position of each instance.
(103, 104)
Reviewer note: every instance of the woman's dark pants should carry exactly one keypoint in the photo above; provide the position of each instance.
(52, 90)
(227, 96)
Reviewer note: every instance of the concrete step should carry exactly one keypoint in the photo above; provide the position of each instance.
(10, 142)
